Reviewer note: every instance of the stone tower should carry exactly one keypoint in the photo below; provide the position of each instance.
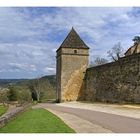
(72, 62)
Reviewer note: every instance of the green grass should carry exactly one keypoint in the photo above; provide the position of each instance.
(36, 121)
(2, 109)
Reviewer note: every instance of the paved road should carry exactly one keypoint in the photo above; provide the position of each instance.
(115, 123)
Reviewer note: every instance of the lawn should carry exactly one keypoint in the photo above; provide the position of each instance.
(36, 121)
(2, 109)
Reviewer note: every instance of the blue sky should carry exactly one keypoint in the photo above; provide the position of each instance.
(29, 37)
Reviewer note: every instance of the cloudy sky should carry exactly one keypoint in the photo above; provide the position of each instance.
(29, 37)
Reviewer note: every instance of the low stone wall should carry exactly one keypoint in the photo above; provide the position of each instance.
(12, 114)
(113, 82)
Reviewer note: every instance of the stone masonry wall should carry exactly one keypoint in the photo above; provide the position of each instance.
(72, 76)
(71, 69)
(5, 118)
(113, 82)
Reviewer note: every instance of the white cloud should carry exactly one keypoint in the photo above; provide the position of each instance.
(23, 66)
(49, 70)
(29, 38)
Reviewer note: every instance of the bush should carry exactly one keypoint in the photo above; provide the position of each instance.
(20, 94)
(12, 96)
(23, 95)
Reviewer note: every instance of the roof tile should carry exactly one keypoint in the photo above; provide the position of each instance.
(73, 40)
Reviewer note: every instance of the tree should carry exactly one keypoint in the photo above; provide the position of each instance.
(99, 61)
(116, 52)
(136, 39)
(23, 95)
(12, 95)
(3, 96)
(34, 87)
(33, 91)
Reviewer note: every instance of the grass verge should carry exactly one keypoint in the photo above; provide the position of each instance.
(3, 109)
(36, 121)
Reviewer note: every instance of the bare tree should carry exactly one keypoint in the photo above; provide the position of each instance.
(116, 52)
(38, 88)
(99, 61)
(35, 88)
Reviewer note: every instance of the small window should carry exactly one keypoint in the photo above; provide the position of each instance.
(75, 51)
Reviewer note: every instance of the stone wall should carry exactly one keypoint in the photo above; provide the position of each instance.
(113, 82)
(5, 118)
(71, 69)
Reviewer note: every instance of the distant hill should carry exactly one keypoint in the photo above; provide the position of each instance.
(6, 82)
(47, 85)
(51, 79)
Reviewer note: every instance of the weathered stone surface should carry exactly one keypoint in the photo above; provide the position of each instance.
(72, 62)
(114, 82)
(70, 73)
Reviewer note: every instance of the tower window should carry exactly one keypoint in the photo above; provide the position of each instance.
(75, 51)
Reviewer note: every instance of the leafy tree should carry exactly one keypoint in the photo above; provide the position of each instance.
(20, 94)
(12, 96)
(23, 95)
(116, 52)
(136, 39)
(3, 96)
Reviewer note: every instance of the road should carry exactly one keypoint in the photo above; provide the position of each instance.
(115, 123)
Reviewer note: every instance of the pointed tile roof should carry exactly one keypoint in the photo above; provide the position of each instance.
(73, 40)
